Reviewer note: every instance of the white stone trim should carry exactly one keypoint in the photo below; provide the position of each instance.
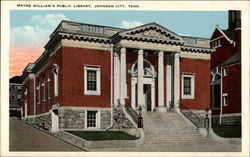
(98, 80)
(116, 78)
(177, 79)
(85, 44)
(224, 96)
(192, 96)
(149, 45)
(195, 55)
(140, 79)
(54, 121)
(56, 79)
(169, 81)
(85, 108)
(161, 82)
(123, 76)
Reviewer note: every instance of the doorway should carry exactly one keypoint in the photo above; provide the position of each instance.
(147, 96)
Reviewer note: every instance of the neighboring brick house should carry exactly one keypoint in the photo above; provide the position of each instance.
(87, 71)
(15, 93)
(226, 72)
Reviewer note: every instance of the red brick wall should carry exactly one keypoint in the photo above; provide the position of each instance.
(72, 77)
(226, 50)
(201, 69)
(232, 86)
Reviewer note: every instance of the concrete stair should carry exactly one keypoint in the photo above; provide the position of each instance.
(169, 128)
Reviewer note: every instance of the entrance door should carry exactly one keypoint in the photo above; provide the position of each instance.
(217, 96)
(147, 93)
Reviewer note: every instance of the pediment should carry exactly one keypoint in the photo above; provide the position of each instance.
(153, 31)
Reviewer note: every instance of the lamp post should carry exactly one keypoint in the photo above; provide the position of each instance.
(140, 119)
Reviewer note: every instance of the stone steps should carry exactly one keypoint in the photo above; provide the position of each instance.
(170, 129)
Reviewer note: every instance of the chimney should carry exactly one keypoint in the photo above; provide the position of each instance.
(234, 19)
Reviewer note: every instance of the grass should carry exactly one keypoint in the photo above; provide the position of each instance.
(227, 131)
(103, 135)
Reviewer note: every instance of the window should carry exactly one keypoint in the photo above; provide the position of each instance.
(48, 88)
(38, 92)
(92, 80)
(225, 71)
(55, 71)
(225, 99)
(188, 86)
(91, 119)
(43, 87)
(216, 43)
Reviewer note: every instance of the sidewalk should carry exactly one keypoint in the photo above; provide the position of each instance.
(26, 138)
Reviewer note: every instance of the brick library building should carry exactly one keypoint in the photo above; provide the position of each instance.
(89, 74)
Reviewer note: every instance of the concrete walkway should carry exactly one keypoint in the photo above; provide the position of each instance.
(177, 148)
(26, 138)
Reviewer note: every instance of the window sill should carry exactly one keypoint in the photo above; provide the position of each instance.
(187, 97)
(92, 93)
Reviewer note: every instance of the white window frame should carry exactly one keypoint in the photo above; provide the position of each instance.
(97, 120)
(38, 93)
(190, 96)
(48, 88)
(225, 71)
(43, 87)
(216, 43)
(98, 81)
(56, 84)
(224, 97)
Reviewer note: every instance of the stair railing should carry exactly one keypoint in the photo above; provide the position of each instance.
(137, 118)
(194, 118)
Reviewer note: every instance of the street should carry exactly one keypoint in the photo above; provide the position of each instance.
(26, 138)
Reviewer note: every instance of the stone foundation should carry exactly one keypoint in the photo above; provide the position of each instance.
(120, 120)
(40, 121)
(74, 118)
(227, 120)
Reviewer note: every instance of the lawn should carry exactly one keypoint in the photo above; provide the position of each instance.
(227, 131)
(103, 135)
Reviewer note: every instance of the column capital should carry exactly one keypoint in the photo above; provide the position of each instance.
(123, 50)
(161, 54)
(116, 54)
(140, 52)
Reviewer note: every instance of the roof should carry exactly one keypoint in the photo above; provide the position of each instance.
(15, 79)
(232, 60)
(230, 34)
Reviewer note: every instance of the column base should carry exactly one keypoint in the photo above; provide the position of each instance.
(162, 109)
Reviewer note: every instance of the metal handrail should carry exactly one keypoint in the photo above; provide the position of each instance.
(195, 119)
(134, 115)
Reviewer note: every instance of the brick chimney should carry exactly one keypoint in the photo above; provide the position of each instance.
(234, 19)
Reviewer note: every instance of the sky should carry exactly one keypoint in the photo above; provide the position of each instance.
(30, 30)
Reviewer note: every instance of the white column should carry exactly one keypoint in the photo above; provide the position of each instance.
(169, 81)
(123, 86)
(177, 80)
(116, 78)
(161, 82)
(140, 79)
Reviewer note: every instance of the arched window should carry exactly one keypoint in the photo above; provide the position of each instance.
(148, 69)
(55, 71)
(216, 74)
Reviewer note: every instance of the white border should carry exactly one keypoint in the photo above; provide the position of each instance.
(6, 6)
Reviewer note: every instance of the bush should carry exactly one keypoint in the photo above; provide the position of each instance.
(15, 113)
